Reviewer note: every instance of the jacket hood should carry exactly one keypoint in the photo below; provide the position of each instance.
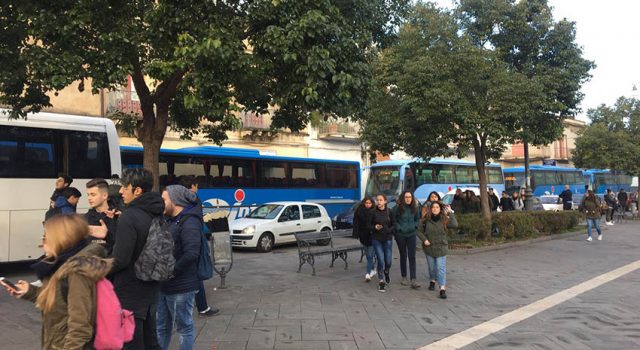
(87, 263)
(195, 211)
(150, 202)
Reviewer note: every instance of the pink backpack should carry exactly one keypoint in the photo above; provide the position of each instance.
(114, 325)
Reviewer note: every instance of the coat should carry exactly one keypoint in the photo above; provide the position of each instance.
(93, 218)
(131, 235)
(406, 223)
(70, 325)
(435, 232)
(362, 228)
(591, 208)
(384, 218)
(186, 230)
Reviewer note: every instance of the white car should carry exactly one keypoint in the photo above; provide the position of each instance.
(276, 222)
(551, 202)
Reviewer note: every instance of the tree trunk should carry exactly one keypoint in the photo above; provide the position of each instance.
(479, 149)
(151, 134)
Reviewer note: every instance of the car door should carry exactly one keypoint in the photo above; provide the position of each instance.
(311, 218)
(287, 224)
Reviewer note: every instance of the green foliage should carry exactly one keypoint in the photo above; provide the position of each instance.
(513, 225)
(611, 141)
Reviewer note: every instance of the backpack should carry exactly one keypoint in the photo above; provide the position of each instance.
(114, 325)
(156, 261)
(205, 266)
(52, 212)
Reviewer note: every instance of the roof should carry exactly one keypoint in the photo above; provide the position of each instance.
(449, 161)
(540, 167)
(228, 152)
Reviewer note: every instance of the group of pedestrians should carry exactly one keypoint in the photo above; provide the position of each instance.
(411, 226)
(106, 242)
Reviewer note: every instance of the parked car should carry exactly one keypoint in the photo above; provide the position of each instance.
(344, 220)
(551, 202)
(275, 223)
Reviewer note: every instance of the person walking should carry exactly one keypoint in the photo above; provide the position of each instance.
(457, 204)
(591, 207)
(177, 295)
(433, 235)
(471, 203)
(69, 270)
(141, 297)
(362, 218)
(494, 201)
(433, 197)
(518, 203)
(383, 230)
(506, 203)
(407, 219)
(623, 198)
(101, 217)
(610, 200)
(567, 198)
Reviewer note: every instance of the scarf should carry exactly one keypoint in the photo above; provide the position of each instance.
(45, 268)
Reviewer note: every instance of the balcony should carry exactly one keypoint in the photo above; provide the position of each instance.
(124, 101)
(254, 121)
(338, 130)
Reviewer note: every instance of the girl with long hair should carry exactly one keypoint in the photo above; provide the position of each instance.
(407, 219)
(433, 235)
(383, 228)
(362, 229)
(69, 270)
(591, 206)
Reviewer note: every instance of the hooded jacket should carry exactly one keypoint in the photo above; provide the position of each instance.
(186, 230)
(362, 224)
(70, 325)
(435, 232)
(131, 235)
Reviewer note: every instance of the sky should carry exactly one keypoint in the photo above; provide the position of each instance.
(609, 33)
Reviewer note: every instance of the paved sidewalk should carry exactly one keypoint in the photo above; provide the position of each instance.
(270, 306)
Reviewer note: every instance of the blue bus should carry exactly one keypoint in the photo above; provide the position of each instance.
(545, 178)
(599, 180)
(391, 177)
(236, 180)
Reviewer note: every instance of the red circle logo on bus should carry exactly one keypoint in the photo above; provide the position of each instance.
(239, 195)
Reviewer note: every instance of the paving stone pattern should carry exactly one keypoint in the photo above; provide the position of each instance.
(270, 306)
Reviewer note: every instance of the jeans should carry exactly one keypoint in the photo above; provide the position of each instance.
(145, 335)
(369, 252)
(407, 248)
(201, 298)
(383, 250)
(609, 215)
(437, 269)
(591, 223)
(176, 309)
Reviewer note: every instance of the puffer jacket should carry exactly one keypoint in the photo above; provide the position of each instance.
(435, 232)
(591, 208)
(186, 230)
(70, 325)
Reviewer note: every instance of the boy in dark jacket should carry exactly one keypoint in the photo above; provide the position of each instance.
(175, 305)
(133, 228)
(101, 216)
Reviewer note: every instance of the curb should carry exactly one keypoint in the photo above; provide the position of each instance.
(469, 251)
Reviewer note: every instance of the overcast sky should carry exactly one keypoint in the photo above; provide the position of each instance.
(609, 32)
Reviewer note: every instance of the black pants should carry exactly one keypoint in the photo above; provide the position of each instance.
(145, 336)
(407, 247)
(609, 216)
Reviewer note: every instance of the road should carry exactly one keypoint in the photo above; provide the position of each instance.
(270, 306)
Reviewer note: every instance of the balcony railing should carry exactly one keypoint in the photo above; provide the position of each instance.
(124, 101)
(253, 120)
(338, 130)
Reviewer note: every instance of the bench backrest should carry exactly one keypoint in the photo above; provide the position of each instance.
(306, 239)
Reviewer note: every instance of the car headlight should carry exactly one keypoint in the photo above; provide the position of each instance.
(249, 230)
(335, 218)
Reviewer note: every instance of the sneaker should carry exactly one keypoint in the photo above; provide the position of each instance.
(609, 223)
(381, 286)
(209, 312)
(404, 281)
(367, 277)
(589, 239)
(432, 285)
(373, 272)
(387, 279)
(415, 284)
(443, 294)
(600, 237)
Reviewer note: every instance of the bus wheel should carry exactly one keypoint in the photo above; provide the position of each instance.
(324, 241)
(265, 243)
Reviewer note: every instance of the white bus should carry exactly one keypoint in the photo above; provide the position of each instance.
(33, 152)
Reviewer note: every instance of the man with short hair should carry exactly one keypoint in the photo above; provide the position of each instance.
(610, 199)
(175, 304)
(622, 200)
(101, 218)
(506, 203)
(494, 202)
(204, 309)
(567, 198)
(68, 201)
(62, 182)
(140, 297)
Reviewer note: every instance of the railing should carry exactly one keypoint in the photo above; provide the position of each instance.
(124, 101)
(253, 120)
(338, 129)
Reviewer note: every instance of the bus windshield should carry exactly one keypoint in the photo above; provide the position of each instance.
(267, 211)
(384, 180)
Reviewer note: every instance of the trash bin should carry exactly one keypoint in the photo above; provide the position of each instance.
(221, 252)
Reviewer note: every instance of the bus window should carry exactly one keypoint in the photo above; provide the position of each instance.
(494, 176)
(88, 154)
(384, 180)
(467, 175)
(303, 175)
(27, 152)
(433, 174)
(341, 176)
(272, 174)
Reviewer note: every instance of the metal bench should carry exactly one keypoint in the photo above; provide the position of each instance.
(312, 244)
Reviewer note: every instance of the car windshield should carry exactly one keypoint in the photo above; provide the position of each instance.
(549, 200)
(384, 180)
(448, 198)
(267, 211)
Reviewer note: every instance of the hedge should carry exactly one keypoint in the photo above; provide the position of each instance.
(513, 225)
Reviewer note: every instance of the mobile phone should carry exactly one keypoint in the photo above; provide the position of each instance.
(9, 283)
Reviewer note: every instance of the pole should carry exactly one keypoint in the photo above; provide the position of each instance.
(528, 201)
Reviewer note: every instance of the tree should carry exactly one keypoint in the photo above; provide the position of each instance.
(448, 82)
(194, 63)
(611, 140)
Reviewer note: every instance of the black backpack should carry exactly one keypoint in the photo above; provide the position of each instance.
(51, 213)
(156, 261)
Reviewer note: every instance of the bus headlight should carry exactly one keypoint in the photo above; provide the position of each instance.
(249, 230)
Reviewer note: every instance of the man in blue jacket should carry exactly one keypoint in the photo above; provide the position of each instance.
(175, 304)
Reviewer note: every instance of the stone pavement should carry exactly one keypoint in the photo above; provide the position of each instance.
(270, 306)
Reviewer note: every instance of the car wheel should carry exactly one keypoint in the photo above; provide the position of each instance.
(324, 241)
(265, 243)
